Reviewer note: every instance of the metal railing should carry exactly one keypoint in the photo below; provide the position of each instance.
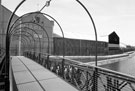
(83, 76)
(3, 78)
(2, 69)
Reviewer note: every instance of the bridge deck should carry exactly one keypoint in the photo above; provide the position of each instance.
(30, 76)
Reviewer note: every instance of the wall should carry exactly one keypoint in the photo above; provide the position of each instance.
(76, 47)
(4, 17)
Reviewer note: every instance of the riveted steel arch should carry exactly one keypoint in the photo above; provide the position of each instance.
(25, 35)
(23, 44)
(26, 43)
(29, 40)
(25, 38)
(60, 29)
(58, 25)
(63, 61)
(23, 41)
(28, 14)
(32, 31)
(37, 25)
(22, 34)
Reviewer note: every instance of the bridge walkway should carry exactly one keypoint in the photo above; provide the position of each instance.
(31, 76)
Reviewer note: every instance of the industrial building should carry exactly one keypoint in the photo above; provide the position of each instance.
(4, 17)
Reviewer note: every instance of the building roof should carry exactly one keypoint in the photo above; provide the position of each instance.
(56, 35)
(6, 9)
(114, 34)
(114, 38)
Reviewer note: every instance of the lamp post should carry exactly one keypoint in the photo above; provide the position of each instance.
(46, 5)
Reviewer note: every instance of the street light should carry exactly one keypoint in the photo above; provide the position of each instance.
(46, 5)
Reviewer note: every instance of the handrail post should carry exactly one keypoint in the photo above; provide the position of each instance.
(87, 83)
(39, 56)
(63, 63)
(47, 61)
(95, 80)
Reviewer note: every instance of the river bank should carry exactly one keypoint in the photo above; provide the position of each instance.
(112, 59)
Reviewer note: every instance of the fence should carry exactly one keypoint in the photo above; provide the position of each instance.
(3, 77)
(84, 77)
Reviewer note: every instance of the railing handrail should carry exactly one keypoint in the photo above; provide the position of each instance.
(108, 56)
(104, 71)
(120, 74)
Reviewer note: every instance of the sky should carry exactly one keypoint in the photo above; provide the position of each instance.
(108, 15)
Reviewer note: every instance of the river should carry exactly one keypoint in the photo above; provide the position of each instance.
(125, 66)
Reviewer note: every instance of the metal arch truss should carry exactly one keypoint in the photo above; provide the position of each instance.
(44, 30)
(23, 24)
(30, 29)
(82, 76)
(25, 40)
(28, 36)
(2, 52)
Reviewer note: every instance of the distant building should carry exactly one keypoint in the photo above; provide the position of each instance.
(114, 41)
(42, 34)
(40, 19)
(78, 47)
(4, 18)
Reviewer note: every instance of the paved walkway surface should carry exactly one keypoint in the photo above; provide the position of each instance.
(30, 76)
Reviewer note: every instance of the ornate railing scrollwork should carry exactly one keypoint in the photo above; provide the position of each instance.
(82, 76)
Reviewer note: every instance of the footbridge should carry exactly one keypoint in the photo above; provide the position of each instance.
(36, 69)
(43, 72)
